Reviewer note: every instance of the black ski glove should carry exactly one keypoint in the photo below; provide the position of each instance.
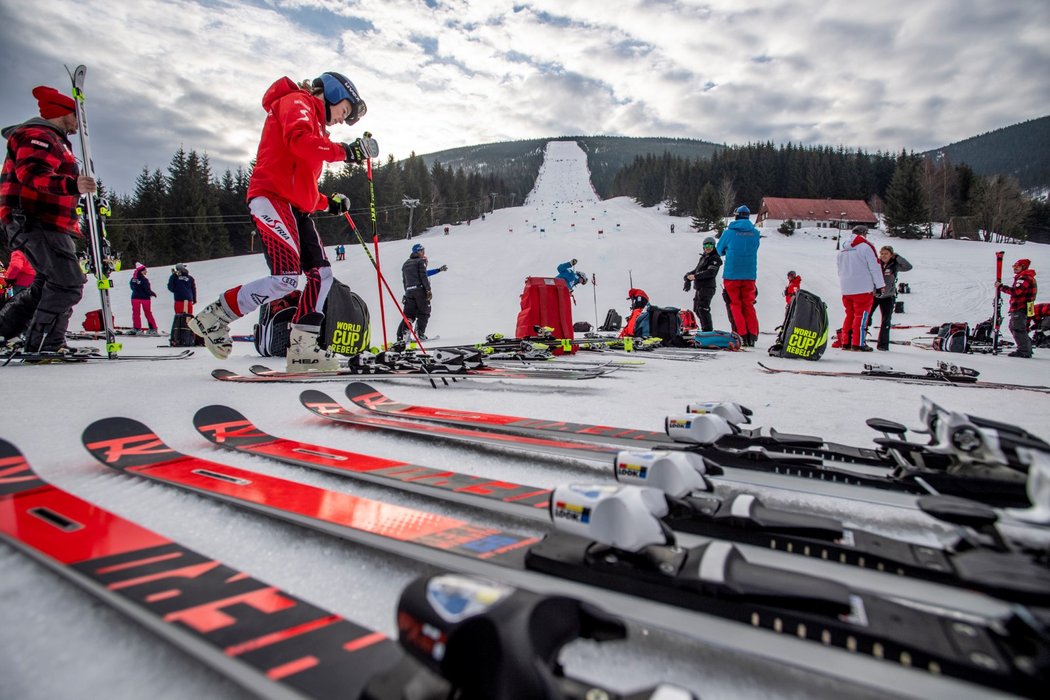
(354, 152)
(338, 203)
(443, 268)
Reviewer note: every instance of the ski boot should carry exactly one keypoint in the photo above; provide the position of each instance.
(213, 324)
(304, 350)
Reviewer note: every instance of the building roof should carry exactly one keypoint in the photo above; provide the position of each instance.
(856, 210)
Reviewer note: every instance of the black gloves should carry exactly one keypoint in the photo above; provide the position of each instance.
(354, 152)
(443, 268)
(338, 203)
(430, 295)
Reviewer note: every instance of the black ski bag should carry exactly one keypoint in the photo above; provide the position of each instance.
(804, 334)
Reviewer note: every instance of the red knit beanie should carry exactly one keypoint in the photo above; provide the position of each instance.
(52, 102)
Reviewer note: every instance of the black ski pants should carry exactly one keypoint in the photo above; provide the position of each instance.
(884, 304)
(417, 310)
(702, 307)
(43, 310)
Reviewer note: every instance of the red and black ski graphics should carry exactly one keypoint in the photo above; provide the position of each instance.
(228, 428)
(127, 445)
(269, 641)
(325, 406)
(791, 532)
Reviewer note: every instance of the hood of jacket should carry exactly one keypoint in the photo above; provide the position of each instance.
(280, 88)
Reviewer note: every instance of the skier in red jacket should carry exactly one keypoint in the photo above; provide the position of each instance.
(282, 194)
(1022, 302)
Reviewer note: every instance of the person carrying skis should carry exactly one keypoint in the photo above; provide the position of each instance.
(416, 303)
(703, 279)
(142, 300)
(1022, 305)
(282, 194)
(860, 277)
(569, 275)
(739, 246)
(793, 285)
(891, 263)
(184, 288)
(40, 187)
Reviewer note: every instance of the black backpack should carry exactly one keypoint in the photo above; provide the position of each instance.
(613, 321)
(346, 328)
(665, 322)
(275, 319)
(952, 337)
(181, 336)
(804, 334)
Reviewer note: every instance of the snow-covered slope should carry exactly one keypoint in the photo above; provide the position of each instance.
(56, 642)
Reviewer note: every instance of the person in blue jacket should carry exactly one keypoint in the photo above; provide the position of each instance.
(739, 246)
(182, 285)
(571, 276)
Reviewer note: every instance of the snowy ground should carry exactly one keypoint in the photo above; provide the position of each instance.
(57, 642)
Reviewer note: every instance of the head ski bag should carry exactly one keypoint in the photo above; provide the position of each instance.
(346, 326)
(804, 335)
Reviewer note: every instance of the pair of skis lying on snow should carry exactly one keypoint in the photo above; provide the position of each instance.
(279, 646)
(611, 545)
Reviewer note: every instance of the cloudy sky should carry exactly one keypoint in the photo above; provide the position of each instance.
(439, 74)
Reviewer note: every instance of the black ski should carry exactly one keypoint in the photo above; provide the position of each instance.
(710, 592)
(737, 450)
(934, 376)
(974, 561)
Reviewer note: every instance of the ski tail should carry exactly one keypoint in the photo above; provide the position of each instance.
(125, 444)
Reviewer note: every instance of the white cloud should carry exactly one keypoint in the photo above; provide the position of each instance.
(890, 76)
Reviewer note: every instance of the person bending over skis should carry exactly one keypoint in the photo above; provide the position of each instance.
(282, 194)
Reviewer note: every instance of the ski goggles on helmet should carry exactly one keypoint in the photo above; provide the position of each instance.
(337, 87)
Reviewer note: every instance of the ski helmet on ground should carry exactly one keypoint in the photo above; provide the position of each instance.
(417, 248)
(337, 87)
(742, 212)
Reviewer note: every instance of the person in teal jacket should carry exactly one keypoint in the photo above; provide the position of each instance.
(739, 246)
(571, 277)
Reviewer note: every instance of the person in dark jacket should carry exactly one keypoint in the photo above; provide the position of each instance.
(1022, 305)
(40, 187)
(703, 278)
(891, 264)
(416, 278)
(184, 288)
(142, 300)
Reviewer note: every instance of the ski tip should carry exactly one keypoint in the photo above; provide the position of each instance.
(124, 443)
(223, 374)
(9, 451)
(313, 399)
(227, 426)
(359, 388)
(18, 476)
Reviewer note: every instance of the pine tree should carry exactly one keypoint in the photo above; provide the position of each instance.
(708, 209)
(906, 208)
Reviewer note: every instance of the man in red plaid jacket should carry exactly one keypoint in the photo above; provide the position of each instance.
(40, 186)
(1022, 302)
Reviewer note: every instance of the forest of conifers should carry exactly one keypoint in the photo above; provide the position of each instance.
(190, 213)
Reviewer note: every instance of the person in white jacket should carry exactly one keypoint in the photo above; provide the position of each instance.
(860, 276)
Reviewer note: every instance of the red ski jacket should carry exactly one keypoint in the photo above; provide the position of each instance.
(293, 149)
(1022, 292)
(39, 177)
(792, 287)
(20, 272)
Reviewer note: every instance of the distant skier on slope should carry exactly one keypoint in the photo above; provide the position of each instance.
(282, 194)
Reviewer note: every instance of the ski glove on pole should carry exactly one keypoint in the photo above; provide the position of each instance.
(338, 203)
(355, 153)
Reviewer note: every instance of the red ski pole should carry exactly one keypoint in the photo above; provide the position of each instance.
(383, 283)
(997, 310)
(375, 242)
